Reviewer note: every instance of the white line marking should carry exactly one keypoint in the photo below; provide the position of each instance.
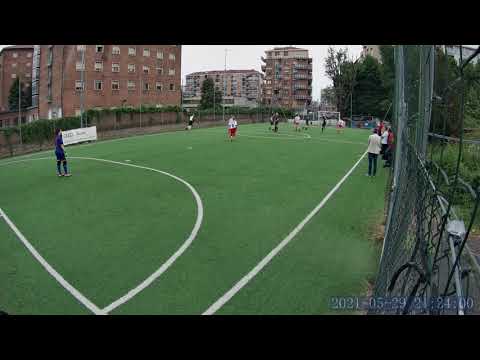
(150, 279)
(72, 290)
(264, 262)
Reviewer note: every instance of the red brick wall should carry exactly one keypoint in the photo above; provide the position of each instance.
(64, 75)
(23, 69)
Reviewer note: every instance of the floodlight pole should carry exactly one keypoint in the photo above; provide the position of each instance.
(82, 94)
(224, 85)
(20, 108)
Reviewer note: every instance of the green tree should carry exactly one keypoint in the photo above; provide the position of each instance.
(369, 93)
(26, 97)
(211, 96)
(387, 69)
(340, 70)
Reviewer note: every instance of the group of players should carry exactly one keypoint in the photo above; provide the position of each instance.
(232, 126)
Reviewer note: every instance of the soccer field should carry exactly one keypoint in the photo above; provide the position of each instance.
(169, 223)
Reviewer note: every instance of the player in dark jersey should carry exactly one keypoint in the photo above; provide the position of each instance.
(276, 120)
(60, 154)
(305, 127)
(324, 123)
(271, 122)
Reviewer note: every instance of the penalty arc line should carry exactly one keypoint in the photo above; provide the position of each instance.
(264, 262)
(145, 283)
(91, 306)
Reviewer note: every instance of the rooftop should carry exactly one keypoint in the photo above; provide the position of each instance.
(223, 72)
(286, 48)
(17, 47)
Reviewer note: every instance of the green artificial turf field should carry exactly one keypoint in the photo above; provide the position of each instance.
(110, 226)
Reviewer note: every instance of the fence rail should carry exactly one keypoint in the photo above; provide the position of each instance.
(426, 263)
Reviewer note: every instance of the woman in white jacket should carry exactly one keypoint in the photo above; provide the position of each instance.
(374, 147)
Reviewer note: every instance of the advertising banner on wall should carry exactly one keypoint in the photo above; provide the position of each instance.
(76, 136)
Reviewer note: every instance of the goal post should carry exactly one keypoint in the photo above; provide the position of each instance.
(331, 118)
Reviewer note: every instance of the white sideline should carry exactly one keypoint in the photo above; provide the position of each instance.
(264, 262)
(150, 279)
(72, 290)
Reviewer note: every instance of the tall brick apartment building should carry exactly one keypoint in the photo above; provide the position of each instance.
(288, 77)
(15, 62)
(103, 76)
(239, 87)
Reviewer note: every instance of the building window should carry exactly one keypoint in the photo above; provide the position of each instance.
(146, 69)
(159, 71)
(29, 55)
(115, 67)
(171, 57)
(115, 85)
(146, 86)
(131, 68)
(285, 53)
(171, 72)
(277, 53)
(159, 54)
(27, 75)
(132, 51)
(99, 48)
(146, 52)
(158, 86)
(81, 48)
(14, 76)
(78, 85)
(79, 66)
(14, 65)
(172, 87)
(98, 66)
(29, 64)
(98, 84)
(115, 50)
(15, 55)
(131, 85)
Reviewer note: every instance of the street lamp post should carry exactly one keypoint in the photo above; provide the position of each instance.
(224, 84)
(351, 91)
(82, 75)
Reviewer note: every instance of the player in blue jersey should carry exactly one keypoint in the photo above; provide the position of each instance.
(60, 154)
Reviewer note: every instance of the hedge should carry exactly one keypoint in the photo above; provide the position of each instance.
(42, 130)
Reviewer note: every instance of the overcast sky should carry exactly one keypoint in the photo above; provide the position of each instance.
(212, 57)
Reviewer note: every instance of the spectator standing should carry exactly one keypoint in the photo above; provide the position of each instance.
(374, 147)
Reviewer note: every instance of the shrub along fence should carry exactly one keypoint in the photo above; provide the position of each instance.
(38, 135)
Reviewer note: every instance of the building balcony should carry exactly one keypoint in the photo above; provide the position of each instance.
(302, 87)
(302, 97)
(264, 68)
(302, 76)
(303, 66)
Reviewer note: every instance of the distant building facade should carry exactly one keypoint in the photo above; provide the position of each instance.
(15, 63)
(288, 78)
(239, 87)
(105, 76)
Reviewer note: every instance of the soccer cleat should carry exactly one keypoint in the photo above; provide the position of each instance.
(59, 175)
(67, 175)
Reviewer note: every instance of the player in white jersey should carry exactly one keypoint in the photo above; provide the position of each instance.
(296, 122)
(232, 127)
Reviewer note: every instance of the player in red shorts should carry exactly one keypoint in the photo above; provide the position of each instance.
(232, 127)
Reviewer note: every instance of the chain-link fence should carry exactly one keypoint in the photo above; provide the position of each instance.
(428, 264)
